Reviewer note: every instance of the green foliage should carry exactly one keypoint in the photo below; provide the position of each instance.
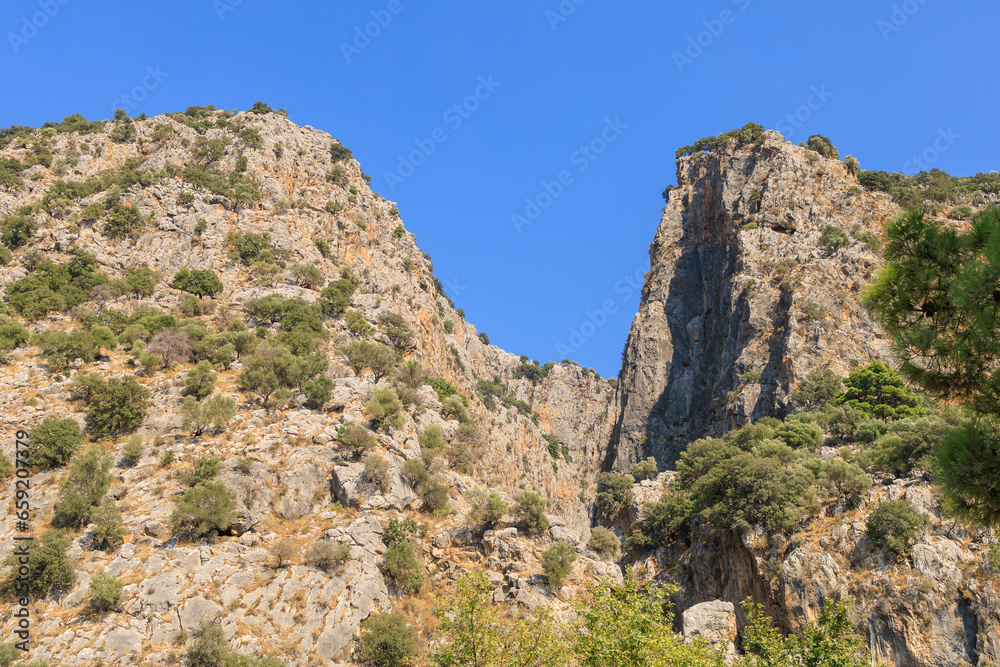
(200, 381)
(133, 450)
(49, 568)
(831, 641)
(335, 298)
(318, 391)
(236, 187)
(414, 472)
(823, 146)
(646, 469)
(142, 281)
(879, 392)
(817, 389)
(833, 238)
(557, 562)
(751, 133)
(272, 370)
(401, 567)
(107, 531)
(356, 438)
(124, 132)
(531, 372)
(605, 542)
(123, 220)
(396, 329)
(384, 408)
(894, 525)
(380, 359)
(197, 281)
(967, 464)
(435, 497)
(848, 479)
(487, 508)
(105, 592)
(82, 488)
(798, 434)
(908, 443)
(616, 493)
(203, 508)
(55, 287)
(530, 511)
(253, 247)
(212, 411)
(115, 407)
(17, 230)
(377, 471)
(340, 153)
(387, 641)
(53, 442)
(284, 553)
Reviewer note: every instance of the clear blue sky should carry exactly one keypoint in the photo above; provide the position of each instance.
(888, 90)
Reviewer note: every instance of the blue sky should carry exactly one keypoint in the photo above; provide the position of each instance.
(633, 81)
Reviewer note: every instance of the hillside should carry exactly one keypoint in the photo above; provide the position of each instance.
(216, 254)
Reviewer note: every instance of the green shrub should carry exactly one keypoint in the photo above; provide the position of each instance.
(646, 469)
(213, 411)
(817, 389)
(142, 281)
(616, 494)
(669, 518)
(203, 508)
(823, 146)
(878, 391)
(16, 231)
(116, 407)
(6, 256)
(335, 298)
(53, 442)
(530, 511)
(209, 648)
(197, 281)
(105, 592)
(318, 391)
(123, 220)
(340, 153)
(384, 409)
(106, 531)
(908, 443)
(387, 641)
(486, 507)
(435, 497)
(133, 450)
(200, 381)
(605, 542)
(797, 434)
(432, 438)
(402, 568)
(396, 329)
(49, 568)
(356, 438)
(557, 562)
(848, 479)
(895, 525)
(378, 358)
(82, 488)
(414, 472)
(751, 133)
(833, 238)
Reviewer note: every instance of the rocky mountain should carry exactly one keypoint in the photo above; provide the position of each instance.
(743, 299)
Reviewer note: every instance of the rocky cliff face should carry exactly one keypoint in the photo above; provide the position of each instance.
(292, 468)
(741, 301)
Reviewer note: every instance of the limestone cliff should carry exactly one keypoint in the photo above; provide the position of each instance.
(741, 302)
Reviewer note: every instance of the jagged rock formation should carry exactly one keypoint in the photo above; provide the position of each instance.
(728, 320)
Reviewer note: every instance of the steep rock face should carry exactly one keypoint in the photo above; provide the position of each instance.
(741, 302)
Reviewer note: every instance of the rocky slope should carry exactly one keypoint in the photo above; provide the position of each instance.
(299, 470)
